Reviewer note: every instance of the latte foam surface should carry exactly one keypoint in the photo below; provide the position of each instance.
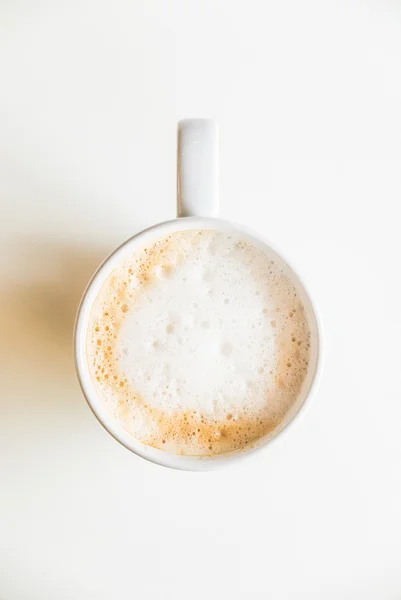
(198, 344)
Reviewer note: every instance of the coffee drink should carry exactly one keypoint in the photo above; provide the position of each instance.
(199, 344)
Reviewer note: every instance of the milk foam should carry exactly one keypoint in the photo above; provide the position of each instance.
(199, 343)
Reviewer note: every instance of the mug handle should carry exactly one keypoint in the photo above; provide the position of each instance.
(197, 168)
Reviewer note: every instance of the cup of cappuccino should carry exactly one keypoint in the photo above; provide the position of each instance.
(195, 342)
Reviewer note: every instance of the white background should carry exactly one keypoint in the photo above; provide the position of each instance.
(308, 98)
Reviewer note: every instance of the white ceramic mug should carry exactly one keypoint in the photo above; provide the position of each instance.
(197, 203)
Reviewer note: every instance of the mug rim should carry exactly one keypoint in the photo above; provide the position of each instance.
(111, 425)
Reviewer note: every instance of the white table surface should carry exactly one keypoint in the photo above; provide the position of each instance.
(308, 98)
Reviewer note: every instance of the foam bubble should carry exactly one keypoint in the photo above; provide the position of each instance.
(199, 343)
(226, 349)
